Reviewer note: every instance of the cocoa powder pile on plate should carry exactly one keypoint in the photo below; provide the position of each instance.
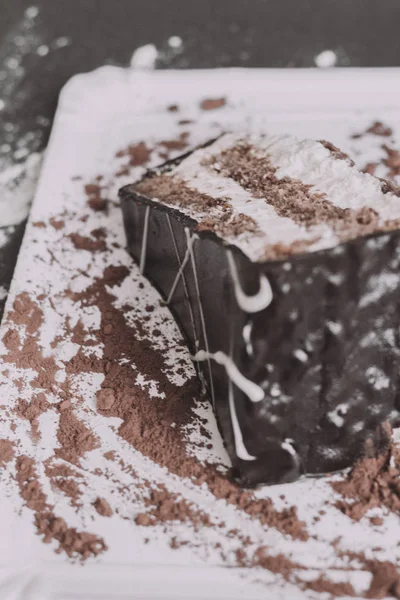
(374, 482)
(51, 527)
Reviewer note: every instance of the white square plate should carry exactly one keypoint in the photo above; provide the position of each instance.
(99, 113)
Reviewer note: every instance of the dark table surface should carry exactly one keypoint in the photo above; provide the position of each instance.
(215, 33)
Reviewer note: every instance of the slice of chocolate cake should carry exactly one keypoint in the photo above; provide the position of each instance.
(280, 261)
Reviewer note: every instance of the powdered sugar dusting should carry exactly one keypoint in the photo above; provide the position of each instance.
(17, 187)
(20, 152)
(325, 59)
(144, 57)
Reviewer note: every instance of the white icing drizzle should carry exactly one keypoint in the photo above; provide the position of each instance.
(253, 391)
(247, 338)
(240, 448)
(187, 299)
(190, 242)
(143, 250)
(250, 304)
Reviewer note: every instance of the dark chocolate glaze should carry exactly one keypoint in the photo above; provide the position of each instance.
(325, 351)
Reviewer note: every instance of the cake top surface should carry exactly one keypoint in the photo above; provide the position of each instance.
(275, 196)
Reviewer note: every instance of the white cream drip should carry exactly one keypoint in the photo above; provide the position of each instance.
(253, 391)
(247, 338)
(240, 448)
(250, 304)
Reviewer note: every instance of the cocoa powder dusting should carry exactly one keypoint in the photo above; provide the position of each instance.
(336, 152)
(74, 438)
(392, 160)
(385, 580)
(146, 425)
(102, 507)
(6, 452)
(379, 128)
(212, 103)
(166, 507)
(81, 242)
(57, 223)
(229, 224)
(335, 589)
(71, 541)
(105, 398)
(26, 312)
(178, 144)
(376, 128)
(373, 482)
(95, 199)
(69, 488)
(138, 154)
(370, 168)
(175, 192)
(29, 485)
(32, 410)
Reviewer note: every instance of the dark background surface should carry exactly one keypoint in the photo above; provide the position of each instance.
(215, 33)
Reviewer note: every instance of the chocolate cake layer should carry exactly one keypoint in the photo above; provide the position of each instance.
(280, 262)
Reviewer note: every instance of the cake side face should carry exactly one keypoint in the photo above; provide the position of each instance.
(274, 196)
(299, 355)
